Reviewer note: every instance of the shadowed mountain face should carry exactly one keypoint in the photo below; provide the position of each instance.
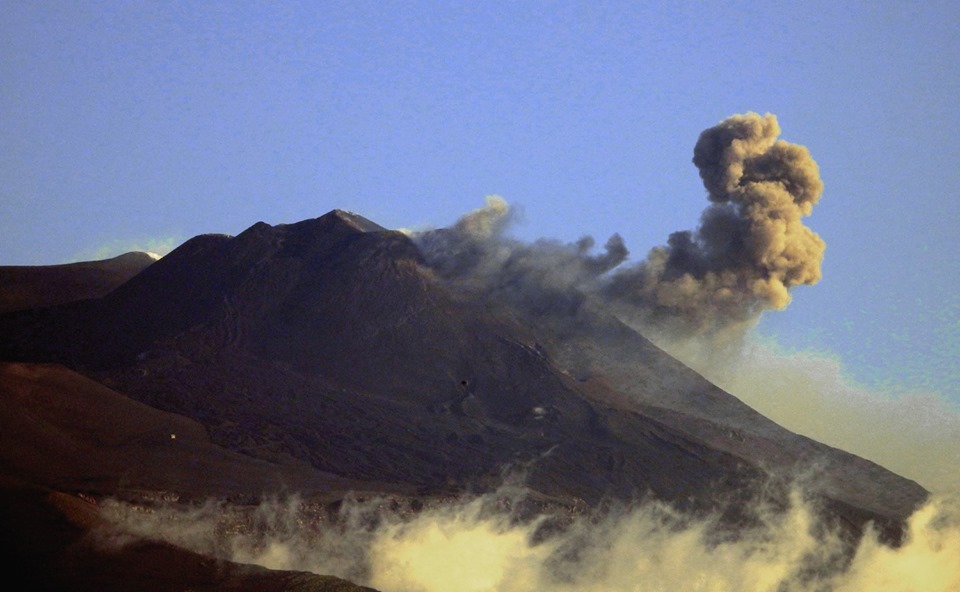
(25, 287)
(330, 347)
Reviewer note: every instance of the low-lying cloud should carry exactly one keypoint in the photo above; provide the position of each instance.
(475, 545)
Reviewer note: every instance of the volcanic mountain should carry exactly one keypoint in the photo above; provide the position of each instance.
(328, 356)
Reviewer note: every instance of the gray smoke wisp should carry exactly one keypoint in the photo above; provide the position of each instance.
(545, 277)
(751, 246)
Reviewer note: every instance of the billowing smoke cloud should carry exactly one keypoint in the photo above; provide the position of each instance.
(751, 246)
(475, 545)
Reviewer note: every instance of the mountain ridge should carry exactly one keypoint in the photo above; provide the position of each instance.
(66, 282)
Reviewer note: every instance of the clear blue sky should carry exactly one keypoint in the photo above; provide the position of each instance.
(139, 124)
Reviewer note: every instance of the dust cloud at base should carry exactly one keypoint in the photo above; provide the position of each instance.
(474, 545)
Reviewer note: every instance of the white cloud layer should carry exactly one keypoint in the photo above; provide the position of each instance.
(474, 546)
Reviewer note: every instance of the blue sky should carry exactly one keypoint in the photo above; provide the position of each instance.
(137, 125)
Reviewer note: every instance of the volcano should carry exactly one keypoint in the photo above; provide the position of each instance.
(327, 357)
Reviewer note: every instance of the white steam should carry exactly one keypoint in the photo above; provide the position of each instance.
(475, 545)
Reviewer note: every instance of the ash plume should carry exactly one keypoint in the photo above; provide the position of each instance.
(751, 246)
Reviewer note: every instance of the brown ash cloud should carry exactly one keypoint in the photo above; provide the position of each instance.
(751, 246)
